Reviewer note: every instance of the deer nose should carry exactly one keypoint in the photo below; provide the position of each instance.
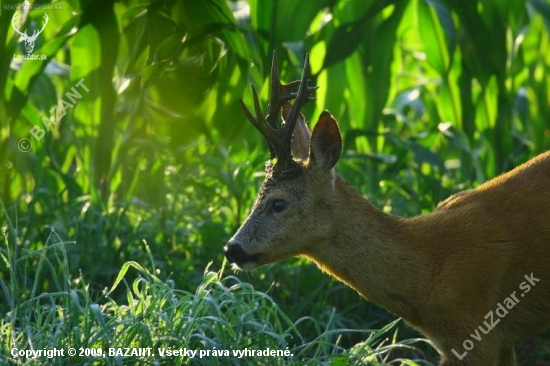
(235, 253)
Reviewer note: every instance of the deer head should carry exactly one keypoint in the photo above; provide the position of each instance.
(293, 208)
(29, 40)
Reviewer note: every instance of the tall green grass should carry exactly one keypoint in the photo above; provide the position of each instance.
(223, 315)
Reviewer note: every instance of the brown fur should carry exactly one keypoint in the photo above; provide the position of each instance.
(443, 272)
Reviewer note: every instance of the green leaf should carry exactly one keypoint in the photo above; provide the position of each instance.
(433, 37)
(455, 136)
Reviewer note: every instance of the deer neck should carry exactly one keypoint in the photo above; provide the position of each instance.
(372, 253)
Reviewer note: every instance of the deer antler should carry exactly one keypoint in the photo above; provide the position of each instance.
(44, 23)
(35, 33)
(279, 137)
(15, 28)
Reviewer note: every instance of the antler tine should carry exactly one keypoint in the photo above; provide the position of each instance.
(257, 107)
(46, 18)
(15, 28)
(302, 97)
(273, 105)
(258, 121)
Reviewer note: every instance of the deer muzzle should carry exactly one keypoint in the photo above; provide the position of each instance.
(238, 257)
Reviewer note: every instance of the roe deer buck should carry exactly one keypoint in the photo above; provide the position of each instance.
(447, 273)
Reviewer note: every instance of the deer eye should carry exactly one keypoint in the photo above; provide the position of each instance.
(278, 205)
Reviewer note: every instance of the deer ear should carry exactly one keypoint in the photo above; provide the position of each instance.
(299, 144)
(326, 142)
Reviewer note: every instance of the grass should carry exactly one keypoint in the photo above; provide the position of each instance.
(222, 317)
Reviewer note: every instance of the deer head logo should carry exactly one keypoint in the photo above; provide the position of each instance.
(29, 40)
